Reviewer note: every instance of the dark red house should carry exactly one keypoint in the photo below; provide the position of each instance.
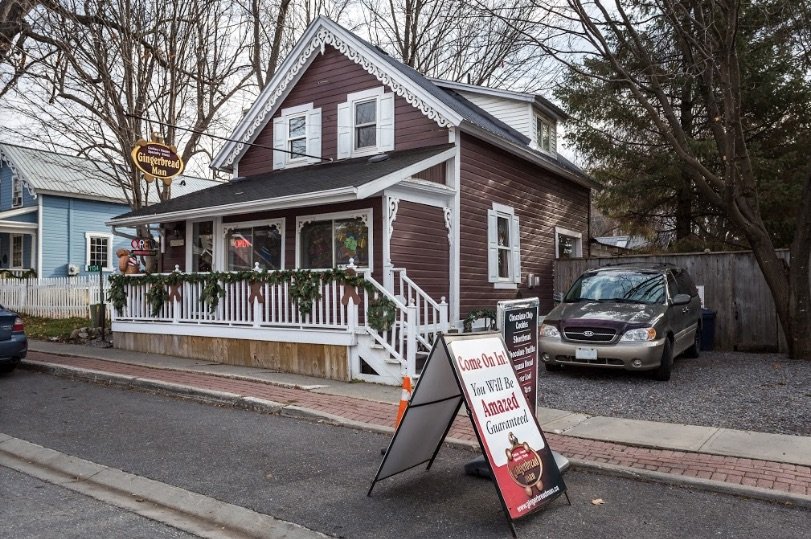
(447, 197)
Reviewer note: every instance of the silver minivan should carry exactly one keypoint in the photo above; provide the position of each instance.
(634, 317)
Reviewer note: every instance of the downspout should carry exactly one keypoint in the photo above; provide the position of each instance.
(39, 237)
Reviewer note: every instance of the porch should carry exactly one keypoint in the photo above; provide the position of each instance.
(348, 327)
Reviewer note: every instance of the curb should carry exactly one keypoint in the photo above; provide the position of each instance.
(171, 505)
(298, 412)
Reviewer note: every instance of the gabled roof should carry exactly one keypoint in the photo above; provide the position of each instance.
(45, 172)
(443, 105)
(324, 183)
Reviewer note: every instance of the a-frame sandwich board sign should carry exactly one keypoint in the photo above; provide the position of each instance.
(475, 370)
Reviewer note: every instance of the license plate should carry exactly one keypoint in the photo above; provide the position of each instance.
(585, 353)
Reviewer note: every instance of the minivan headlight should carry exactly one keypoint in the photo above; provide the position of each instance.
(639, 335)
(548, 330)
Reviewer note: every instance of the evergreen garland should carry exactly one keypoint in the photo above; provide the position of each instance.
(381, 313)
(304, 287)
(8, 274)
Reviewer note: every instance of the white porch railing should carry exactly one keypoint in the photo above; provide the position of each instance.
(270, 307)
(52, 297)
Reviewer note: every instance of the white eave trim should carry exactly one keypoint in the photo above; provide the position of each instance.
(323, 32)
(375, 186)
(331, 196)
(16, 225)
(316, 198)
(17, 212)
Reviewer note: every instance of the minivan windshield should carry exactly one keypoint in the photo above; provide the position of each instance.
(620, 286)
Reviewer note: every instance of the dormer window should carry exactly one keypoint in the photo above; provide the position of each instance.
(366, 123)
(16, 192)
(297, 136)
(545, 134)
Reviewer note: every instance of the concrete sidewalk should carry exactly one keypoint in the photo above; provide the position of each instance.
(769, 466)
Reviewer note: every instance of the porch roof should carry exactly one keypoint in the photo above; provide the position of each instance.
(325, 183)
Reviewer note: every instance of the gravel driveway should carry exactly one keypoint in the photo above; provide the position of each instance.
(759, 392)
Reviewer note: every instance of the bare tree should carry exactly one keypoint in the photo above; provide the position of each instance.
(459, 41)
(626, 36)
(114, 71)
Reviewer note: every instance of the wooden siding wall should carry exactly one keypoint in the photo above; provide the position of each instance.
(321, 360)
(516, 114)
(290, 226)
(64, 222)
(419, 243)
(541, 200)
(434, 174)
(734, 287)
(326, 83)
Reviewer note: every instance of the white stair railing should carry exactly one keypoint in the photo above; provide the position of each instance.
(400, 341)
(432, 317)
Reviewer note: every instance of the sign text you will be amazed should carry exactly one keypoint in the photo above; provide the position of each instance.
(521, 462)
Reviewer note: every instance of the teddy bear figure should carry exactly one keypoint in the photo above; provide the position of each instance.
(127, 263)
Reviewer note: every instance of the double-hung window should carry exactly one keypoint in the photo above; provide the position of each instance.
(504, 247)
(297, 136)
(366, 123)
(99, 250)
(258, 242)
(332, 240)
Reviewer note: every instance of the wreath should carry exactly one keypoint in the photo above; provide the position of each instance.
(380, 314)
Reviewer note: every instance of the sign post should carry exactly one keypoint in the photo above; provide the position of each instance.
(475, 370)
(101, 310)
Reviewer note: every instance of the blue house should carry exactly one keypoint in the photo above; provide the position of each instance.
(53, 210)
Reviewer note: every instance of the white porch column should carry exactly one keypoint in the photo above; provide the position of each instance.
(390, 205)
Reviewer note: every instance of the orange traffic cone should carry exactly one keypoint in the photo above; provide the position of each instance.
(404, 398)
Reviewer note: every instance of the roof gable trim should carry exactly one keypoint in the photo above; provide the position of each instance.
(15, 173)
(325, 32)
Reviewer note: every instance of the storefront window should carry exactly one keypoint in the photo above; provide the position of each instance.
(331, 243)
(248, 245)
(202, 250)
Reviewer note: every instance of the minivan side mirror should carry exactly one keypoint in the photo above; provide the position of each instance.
(557, 297)
(681, 299)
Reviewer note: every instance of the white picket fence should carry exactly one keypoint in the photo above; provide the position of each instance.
(55, 297)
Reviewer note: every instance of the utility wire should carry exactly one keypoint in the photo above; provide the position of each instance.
(203, 133)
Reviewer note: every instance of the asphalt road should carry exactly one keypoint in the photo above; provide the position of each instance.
(317, 475)
(34, 508)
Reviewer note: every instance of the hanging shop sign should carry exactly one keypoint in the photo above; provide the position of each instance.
(157, 160)
(475, 370)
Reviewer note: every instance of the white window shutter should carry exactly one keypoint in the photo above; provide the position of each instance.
(515, 232)
(344, 131)
(314, 134)
(492, 246)
(385, 123)
(279, 140)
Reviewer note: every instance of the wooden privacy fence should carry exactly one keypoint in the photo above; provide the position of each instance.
(56, 297)
(734, 287)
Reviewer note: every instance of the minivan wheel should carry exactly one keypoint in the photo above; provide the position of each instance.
(662, 373)
(695, 350)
